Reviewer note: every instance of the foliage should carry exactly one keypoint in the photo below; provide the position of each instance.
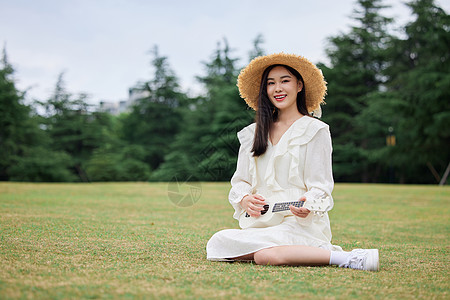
(257, 48)
(154, 119)
(229, 115)
(73, 129)
(209, 152)
(123, 164)
(26, 152)
(381, 87)
(12, 115)
(355, 75)
(420, 79)
(38, 164)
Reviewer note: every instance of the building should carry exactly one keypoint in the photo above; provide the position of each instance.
(116, 108)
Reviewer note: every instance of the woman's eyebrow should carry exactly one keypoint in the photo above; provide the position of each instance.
(284, 76)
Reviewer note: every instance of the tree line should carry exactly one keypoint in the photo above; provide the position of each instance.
(388, 107)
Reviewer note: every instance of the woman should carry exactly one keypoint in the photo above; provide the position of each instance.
(284, 160)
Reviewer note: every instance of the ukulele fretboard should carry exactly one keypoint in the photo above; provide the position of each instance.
(285, 205)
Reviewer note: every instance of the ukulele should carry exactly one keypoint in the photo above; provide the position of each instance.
(272, 214)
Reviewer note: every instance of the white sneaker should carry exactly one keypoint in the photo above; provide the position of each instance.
(363, 259)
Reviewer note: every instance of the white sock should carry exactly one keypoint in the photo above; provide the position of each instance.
(339, 257)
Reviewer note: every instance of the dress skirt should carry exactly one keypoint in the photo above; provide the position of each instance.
(230, 243)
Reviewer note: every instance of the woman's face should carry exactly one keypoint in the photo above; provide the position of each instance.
(282, 88)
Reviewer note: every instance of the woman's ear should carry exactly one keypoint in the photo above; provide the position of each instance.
(300, 86)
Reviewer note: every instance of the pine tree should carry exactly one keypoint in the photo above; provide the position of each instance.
(26, 149)
(155, 118)
(420, 77)
(206, 148)
(13, 119)
(73, 128)
(355, 73)
(229, 112)
(257, 49)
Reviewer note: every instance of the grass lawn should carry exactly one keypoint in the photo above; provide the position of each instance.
(128, 240)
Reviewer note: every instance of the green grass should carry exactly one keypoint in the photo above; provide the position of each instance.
(128, 240)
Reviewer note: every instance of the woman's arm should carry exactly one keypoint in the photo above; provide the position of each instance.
(318, 174)
(240, 182)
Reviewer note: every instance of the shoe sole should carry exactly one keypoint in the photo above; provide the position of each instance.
(373, 261)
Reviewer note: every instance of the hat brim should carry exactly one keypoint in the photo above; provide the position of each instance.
(249, 79)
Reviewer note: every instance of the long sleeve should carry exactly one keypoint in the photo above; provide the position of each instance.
(318, 174)
(241, 182)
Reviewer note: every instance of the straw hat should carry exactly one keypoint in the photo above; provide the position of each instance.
(249, 79)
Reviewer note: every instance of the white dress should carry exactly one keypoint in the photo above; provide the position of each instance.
(298, 165)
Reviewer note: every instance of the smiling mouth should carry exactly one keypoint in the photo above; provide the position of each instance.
(280, 97)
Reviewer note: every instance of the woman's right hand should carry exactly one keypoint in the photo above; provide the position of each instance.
(253, 204)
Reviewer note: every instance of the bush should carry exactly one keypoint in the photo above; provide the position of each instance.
(39, 164)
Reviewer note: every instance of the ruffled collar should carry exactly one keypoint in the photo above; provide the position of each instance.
(293, 125)
(299, 133)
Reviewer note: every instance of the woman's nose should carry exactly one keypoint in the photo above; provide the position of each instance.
(277, 87)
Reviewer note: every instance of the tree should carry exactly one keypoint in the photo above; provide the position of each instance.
(355, 74)
(420, 79)
(155, 118)
(13, 118)
(257, 49)
(73, 128)
(229, 114)
(124, 163)
(206, 147)
(26, 148)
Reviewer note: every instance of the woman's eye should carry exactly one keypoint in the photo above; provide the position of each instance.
(285, 81)
(270, 83)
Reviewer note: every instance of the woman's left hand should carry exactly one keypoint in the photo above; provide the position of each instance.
(300, 211)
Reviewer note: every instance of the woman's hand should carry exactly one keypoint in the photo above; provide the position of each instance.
(253, 204)
(300, 211)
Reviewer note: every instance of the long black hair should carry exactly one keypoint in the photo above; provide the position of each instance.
(267, 113)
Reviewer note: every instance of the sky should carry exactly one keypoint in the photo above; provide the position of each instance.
(103, 46)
